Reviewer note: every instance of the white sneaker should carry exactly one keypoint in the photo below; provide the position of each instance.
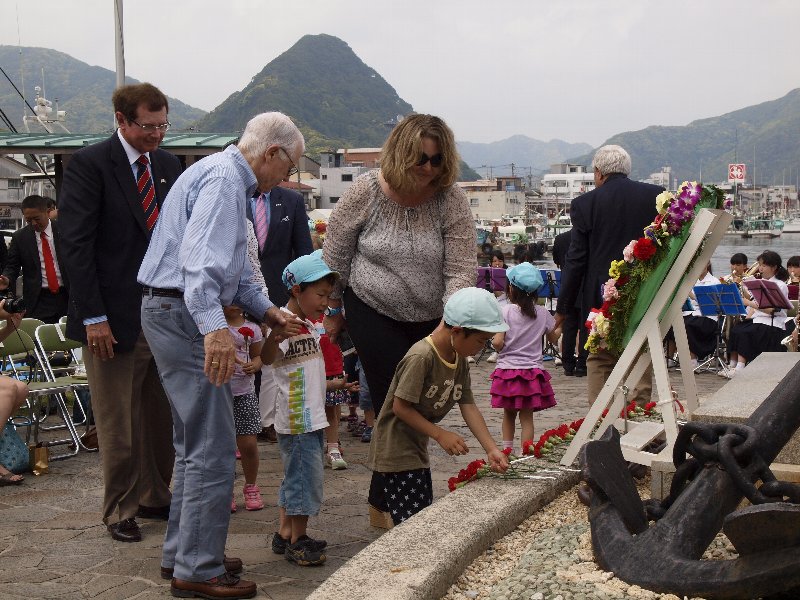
(729, 374)
(335, 460)
(557, 362)
(492, 357)
(470, 359)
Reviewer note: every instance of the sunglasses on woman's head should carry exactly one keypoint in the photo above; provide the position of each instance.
(436, 160)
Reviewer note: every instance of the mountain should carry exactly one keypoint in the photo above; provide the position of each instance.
(523, 151)
(335, 98)
(771, 129)
(84, 91)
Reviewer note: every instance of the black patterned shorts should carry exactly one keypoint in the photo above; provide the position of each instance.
(246, 414)
(406, 492)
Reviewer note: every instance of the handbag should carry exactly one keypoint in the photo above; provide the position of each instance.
(13, 451)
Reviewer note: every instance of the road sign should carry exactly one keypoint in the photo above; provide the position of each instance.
(737, 173)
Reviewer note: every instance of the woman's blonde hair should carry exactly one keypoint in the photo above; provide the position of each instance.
(403, 150)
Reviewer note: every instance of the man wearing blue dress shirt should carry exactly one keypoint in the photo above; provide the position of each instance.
(196, 264)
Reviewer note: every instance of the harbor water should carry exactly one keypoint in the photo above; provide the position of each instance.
(786, 245)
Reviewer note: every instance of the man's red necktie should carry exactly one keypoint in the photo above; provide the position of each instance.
(49, 265)
(147, 193)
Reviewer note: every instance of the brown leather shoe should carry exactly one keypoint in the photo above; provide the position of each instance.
(268, 435)
(224, 586)
(126, 531)
(232, 565)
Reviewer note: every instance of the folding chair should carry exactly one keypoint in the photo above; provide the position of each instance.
(20, 344)
(51, 338)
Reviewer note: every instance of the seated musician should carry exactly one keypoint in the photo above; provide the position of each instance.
(763, 329)
(793, 266)
(701, 330)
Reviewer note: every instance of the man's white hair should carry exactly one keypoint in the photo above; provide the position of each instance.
(267, 129)
(612, 159)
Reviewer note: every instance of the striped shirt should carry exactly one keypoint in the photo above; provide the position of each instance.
(199, 243)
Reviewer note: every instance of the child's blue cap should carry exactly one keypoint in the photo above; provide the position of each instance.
(306, 269)
(474, 308)
(525, 276)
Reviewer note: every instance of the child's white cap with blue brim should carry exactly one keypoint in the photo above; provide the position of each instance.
(475, 308)
(525, 276)
(306, 269)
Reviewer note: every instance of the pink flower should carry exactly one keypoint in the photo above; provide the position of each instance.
(627, 253)
(610, 291)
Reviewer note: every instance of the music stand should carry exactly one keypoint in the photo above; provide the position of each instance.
(767, 294)
(551, 286)
(722, 300)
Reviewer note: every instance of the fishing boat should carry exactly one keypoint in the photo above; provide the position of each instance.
(762, 227)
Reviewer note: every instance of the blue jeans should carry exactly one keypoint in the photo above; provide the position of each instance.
(301, 489)
(205, 442)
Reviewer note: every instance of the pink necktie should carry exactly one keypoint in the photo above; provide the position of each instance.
(261, 223)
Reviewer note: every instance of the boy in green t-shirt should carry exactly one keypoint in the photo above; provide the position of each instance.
(431, 378)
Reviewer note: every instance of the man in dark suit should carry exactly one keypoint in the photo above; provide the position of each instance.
(573, 323)
(281, 226)
(36, 249)
(604, 221)
(110, 199)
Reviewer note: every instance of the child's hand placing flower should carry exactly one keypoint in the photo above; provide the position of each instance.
(498, 461)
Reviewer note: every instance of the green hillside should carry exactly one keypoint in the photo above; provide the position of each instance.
(771, 129)
(84, 91)
(335, 98)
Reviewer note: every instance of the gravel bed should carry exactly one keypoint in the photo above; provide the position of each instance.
(549, 556)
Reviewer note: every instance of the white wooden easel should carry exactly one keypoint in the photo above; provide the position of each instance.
(645, 348)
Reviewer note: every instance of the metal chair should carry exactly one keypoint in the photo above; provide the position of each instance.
(51, 338)
(21, 344)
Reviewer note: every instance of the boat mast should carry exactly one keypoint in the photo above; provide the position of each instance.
(119, 43)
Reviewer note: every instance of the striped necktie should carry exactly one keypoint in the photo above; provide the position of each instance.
(261, 222)
(147, 193)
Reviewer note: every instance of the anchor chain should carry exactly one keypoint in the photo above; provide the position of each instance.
(732, 448)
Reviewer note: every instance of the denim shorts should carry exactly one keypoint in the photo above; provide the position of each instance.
(301, 489)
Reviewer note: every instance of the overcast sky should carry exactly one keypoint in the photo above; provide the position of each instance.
(580, 71)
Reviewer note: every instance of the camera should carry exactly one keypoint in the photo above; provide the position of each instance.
(13, 305)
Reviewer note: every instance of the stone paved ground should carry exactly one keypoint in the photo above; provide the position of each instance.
(53, 543)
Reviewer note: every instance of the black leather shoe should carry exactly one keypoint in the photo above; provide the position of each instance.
(580, 371)
(126, 531)
(569, 371)
(232, 565)
(153, 512)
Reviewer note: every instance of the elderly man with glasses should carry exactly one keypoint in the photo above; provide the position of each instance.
(108, 205)
(197, 263)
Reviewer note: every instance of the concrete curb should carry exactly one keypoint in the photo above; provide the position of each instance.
(421, 558)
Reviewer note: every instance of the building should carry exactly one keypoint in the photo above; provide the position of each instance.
(564, 182)
(13, 175)
(491, 199)
(307, 191)
(662, 178)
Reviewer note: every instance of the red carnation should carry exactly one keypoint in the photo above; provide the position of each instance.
(320, 227)
(527, 447)
(507, 451)
(649, 407)
(623, 280)
(644, 249)
(451, 483)
(246, 332)
(606, 308)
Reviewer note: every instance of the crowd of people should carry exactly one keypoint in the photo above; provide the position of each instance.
(209, 323)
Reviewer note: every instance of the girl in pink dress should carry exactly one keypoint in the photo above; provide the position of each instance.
(520, 386)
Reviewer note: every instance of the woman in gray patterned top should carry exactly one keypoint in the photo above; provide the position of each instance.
(403, 240)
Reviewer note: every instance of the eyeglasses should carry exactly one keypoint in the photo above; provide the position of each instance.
(149, 128)
(435, 160)
(294, 170)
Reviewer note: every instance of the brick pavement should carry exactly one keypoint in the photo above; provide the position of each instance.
(53, 543)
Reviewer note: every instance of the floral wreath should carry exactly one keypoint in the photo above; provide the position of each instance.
(607, 325)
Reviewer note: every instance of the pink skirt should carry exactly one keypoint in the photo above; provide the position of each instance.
(522, 389)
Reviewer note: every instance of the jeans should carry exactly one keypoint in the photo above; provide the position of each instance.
(205, 442)
(301, 489)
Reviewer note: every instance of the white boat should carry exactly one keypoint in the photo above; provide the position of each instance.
(762, 227)
(791, 226)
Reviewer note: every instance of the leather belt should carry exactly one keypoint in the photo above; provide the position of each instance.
(148, 291)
